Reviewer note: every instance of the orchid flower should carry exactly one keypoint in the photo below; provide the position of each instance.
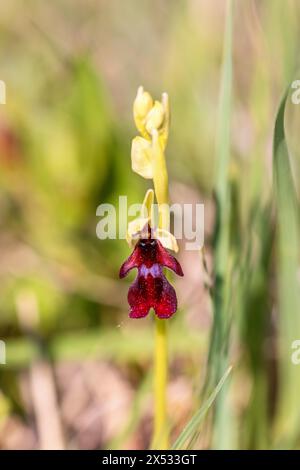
(151, 288)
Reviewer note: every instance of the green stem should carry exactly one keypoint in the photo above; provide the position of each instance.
(160, 439)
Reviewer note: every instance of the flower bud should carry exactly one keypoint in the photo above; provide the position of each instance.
(155, 117)
(142, 103)
(141, 157)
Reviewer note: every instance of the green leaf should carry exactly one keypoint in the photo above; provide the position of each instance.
(287, 251)
(193, 426)
(218, 353)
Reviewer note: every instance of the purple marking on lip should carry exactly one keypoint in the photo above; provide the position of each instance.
(155, 270)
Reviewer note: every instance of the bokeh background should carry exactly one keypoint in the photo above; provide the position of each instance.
(79, 372)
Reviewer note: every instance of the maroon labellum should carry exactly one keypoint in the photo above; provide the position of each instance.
(151, 288)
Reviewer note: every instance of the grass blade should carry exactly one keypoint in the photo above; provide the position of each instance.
(287, 246)
(218, 353)
(193, 426)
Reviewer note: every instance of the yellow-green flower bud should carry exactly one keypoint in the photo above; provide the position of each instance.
(141, 157)
(155, 117)
(142, 103)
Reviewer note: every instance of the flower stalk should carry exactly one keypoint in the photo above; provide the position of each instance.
(160, 439)
(151, 288)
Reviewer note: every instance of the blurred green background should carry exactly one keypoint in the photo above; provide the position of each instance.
(79, 372)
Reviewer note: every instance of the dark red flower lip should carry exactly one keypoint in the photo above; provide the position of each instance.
(151, 289)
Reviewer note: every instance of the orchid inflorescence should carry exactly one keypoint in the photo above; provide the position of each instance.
(151, 288)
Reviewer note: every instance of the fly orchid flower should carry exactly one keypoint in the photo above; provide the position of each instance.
(151, 288)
